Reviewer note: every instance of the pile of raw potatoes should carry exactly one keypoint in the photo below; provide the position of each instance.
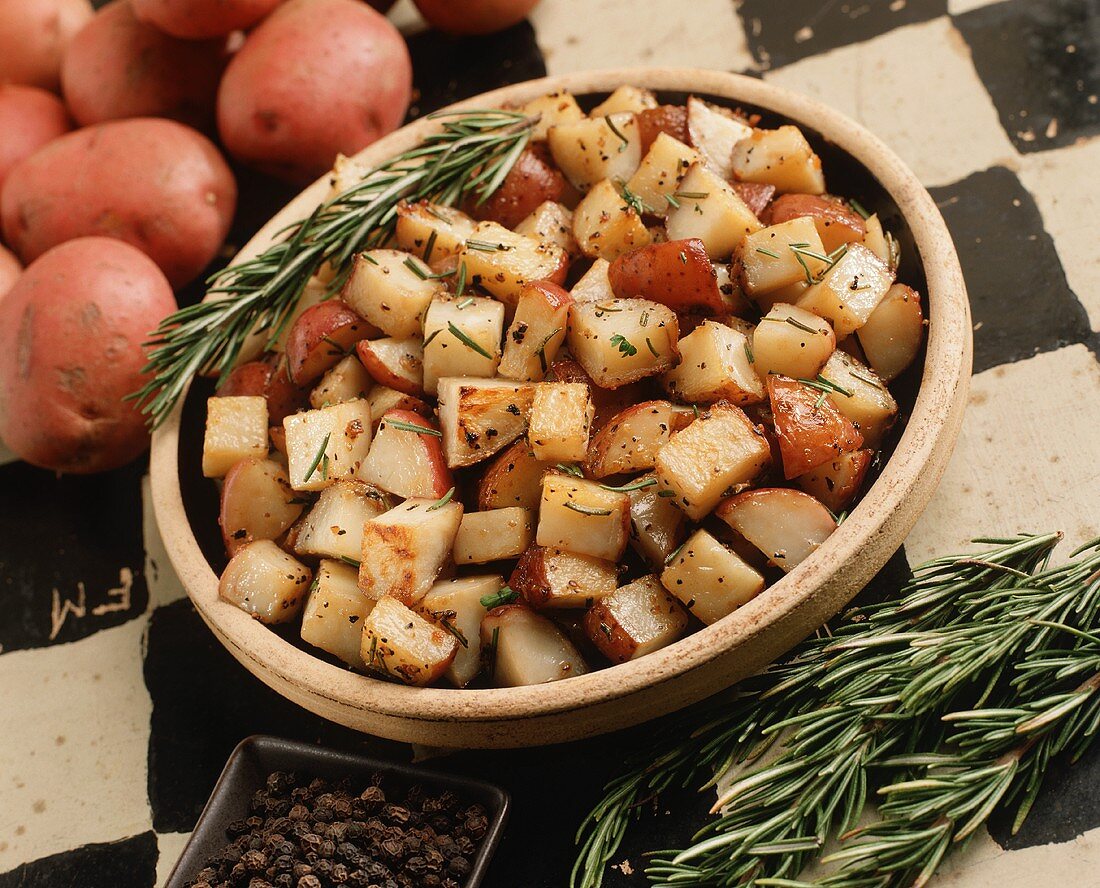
(114, 185)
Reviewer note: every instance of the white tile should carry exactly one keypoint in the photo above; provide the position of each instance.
(916, 88)
(73, 745)
(160, 578)
(169, 848)
(1025, 459)
(1066, 188)
(983, 862)
(618, 33)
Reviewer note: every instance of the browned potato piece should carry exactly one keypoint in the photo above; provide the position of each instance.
(623, 340)
(849, 291)
(711, 210)
(555, 578)
(716, 364)
(605, 225)
(493, 535)
(625, 98)
(714, 131)
(791, 341)
(810, 429)
(837, 481)
(553, 109)
(383, 399)
(526, 648)
(479, 417)
(347, 381)
(461, 338)
(594, 285)
(514, 478)
(456, 606)
(262, 580)
(866, 401)
(630, 440)
(660, 172)
(675, 273)
(891, 338)
(334, 613)
(781, 157)
(236, 428)
(635, 620)
(537, 332)
(710, 579)
(384, 289)
(656, 525)
(786, 525)
(333, 527)
(836, 223)
(399, 643)
(550, 222)
(779, 256)
(561, 417)
(501, 261)
(257, 503)
(327, 444)
(582, 516)
(591, 150)
(422, 224)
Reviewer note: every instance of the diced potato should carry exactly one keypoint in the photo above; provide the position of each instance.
(786, 525)
(501, 261)
(554, 109)
(383, 399)
(791, 341)
(867, 402)
(623, 340)
(327, 444)
(714, 366)
(736, 302)
(625, 98)
(550, 222)
(660, 172)
(630, 440)
(561, 418)
(555, 578)
(635, 620)
(656, 525)
(781, 157)
(514, 478)
(678, 274)
(347, 381)
(837, 482)
(525, 648)
(836, 222)
(714, 131)
(721, 219)
(810, 429)
(405, 548)
(710, 458)
(262, 580)
(583, 517)
(597, 148)
(493, 535)
(594, 285)
(333, 527)
(711, 580)
(399, 643)
(850, 290)
(892, 336)
(384, 289)
(456, 606)
(433, 232)
(461, 338)
(605, 225)
(536, 333)
(780, 255)
(334, 613)
(236, 428)
(397, 363)
(480, 417)
(875, 238)
(406, 457)
(257, 503)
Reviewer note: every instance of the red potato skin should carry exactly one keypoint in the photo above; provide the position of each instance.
(337, 55)
(198, 19)
(441, 474)
(529, 576)
(675, 273)
(70, 349)
(155, 184)
(267, 379)
(532, 180)
(10, 269)
(383, 375)
(850, 226)
(236, 538)
(823, 485)
(321, 337)
(756, 195)
(809, 433)
(474, 16)
(671, 119)
(33, 38)
(29, 118)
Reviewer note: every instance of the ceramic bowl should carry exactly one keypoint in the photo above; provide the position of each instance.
(932, 398)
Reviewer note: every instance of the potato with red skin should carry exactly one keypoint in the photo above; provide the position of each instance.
(837, 481)
(608, 402)
(474, 16)
(257, 503)
(809, 432)
(71, 334)
(268, 379)
(198, 19)
(33, 38)
(395, 363)
(670, 119)
(155, 184)
(675, 273)
(10, 269)
(337, 55)
(321, 337)
(29, 118)
(118, 67)
(835, 222)
(532, 180)
(756, 195)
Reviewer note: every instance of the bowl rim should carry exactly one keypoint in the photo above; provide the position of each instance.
(883, 517)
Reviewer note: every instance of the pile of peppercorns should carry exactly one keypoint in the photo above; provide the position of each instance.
(317, 833)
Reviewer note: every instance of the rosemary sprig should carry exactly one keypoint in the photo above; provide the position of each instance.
(469, 156)
(506, 595)
(403, 426)
(462, 337)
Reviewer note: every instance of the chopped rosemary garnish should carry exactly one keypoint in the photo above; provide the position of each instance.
(432, 336)
(692, 195)
(672, 201)
(487, 246)
(794, 322)
(683, 257)
(652, 350)
(633, 485)
(748, 352)
(820, 400)
(317, 459)
(586, 510)
(867, 379)
(434, 212)
(506, 595)
(403, 426)
(569, 470)
(337, 348)
(666, 493)
(859, 208)
(449, 627)
(824, 385)
(643, 321)
(442, 501)
(623, 345)
(348, 560)
(460, 280)
(412, 265)
(541, 350)
(429, 246)
(634, 201)
(767, 252)
(324, 467)
(467, 341)
(672, 556)
(624, 141)
(469, 300)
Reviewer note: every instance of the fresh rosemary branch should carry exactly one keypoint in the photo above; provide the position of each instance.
(949, 702)
(469, 156)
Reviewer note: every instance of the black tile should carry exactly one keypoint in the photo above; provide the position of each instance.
(1040, 62)
(783, 32)
(129, 863)
(64, 544)
(1019, 296)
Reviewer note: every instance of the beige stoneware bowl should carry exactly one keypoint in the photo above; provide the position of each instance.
(713, 658)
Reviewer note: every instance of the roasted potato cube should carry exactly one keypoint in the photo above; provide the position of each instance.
(561, 418)
(383, 399)
(320, 338)
(406, 457)
(786, 525)
(892, 336)
(525, 648)
(630, 440)
(711, 210)
(715, 365)
(335, 611)
(550, 222)
(262, 580)
(480, 417)
(399, 643)
(554, 109)
(583, 517)
(555, 578)
(333, 527)
(836, 222)
(433, 232)
(635, 620)
(625, 98)
(781, 157)
(660, 172)
(532, 179)
(669, 119)
(791, 341)
(456, 606)
(780, 255)
(405, 548)
(514, 478)
(597, 148)
(810, 429)
(461, 338)
(865, 400)
(675, 273)
(257, 503)
(656, 525)
(717, 452)
(594, 285)
(711, 580)
(714, 131)
(347, 381)
(837, 481)
(493, 535)
(849, 291)
(397, 363)
(313, 293)
(501, 261)
(326, 444)
(875, 239)
(605, 225)
(536, 333)
(384, 289)
(236, 428)
(623, 340)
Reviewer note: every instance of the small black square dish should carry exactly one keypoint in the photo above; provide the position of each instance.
(256, 758)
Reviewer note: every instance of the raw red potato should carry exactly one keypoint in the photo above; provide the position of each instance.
(196, 19)
(257, 503)
(29, 118)
(404, 461)
(675, 273)
(33, 38)
(321, 338)
(810, 429)
(532, 180)
(269, 379)
(474, 16)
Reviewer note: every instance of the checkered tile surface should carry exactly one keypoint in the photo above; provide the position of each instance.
(117, 708)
